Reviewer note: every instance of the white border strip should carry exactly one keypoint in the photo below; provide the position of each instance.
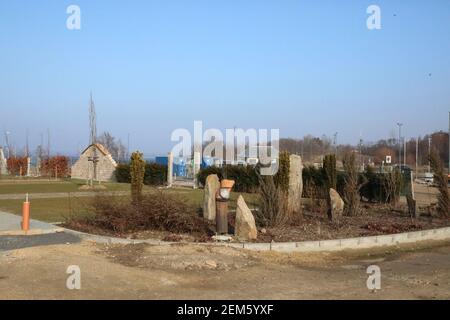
(306, 246)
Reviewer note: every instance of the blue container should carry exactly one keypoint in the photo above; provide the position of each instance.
(162, 160)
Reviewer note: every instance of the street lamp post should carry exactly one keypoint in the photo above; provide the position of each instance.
(399, 143)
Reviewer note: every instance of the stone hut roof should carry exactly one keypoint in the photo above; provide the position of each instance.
(100, 147)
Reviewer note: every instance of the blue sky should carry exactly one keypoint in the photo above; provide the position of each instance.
(305, 67)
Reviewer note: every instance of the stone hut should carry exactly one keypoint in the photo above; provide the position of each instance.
(106, 165)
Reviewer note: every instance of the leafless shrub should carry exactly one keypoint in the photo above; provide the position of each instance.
(352, 186)
(311, 192)
(157, 211)
(272, 205)
(391, 185)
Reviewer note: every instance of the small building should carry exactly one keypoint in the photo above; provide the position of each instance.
(84, 167)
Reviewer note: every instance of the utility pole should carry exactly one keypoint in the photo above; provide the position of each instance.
(8, 146)
(93, 138)
(429, 154)
(128, 147)
(27, 147)
(404, 151)
(48, 143)
(361, 155)
(417, 155)
(399, 143)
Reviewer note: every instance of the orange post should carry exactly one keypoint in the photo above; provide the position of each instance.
(26, 215)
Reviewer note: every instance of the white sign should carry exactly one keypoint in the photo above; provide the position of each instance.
(388, 159)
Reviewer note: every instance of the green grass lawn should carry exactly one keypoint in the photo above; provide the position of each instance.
(49, 210)
(57, 209)
(46, 186)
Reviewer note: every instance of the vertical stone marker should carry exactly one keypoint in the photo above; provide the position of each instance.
(212, 186)
(245, 227)
(169, 169)
(197, 162)
(3, 163)
(28, 166)
(336, 205)
(295, 184)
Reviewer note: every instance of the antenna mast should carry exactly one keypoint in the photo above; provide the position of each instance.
(92, 122)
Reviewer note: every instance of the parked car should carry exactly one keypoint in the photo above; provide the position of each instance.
(428, 178)
(403, 168)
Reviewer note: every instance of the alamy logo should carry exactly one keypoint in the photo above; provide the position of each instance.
(374, 20)
(74, 280)
(374, 280)
(254, 145)
(73, 22)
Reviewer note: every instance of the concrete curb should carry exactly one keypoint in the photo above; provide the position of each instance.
(31, 232)
(306, 246)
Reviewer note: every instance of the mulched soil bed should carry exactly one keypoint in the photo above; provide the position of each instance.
(377, 220)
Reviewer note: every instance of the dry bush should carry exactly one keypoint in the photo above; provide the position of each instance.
(17, 166)
(272, 204)
(315, 194)
(440, 180)
(137, 172)
(352, 186)
(391, 184)
(57, 166)
(157, 211)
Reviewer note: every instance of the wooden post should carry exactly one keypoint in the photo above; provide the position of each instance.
(221, 216)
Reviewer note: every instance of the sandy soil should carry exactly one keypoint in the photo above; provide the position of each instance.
(198, 272)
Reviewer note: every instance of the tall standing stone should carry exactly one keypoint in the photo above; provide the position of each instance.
(245, 226)
(295, 184)
(28, 166)
(169, 169)
(336, 205)
(3, 163)
(197, 163)
(212, 185)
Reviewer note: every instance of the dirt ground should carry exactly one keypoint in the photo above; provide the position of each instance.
(204, 272)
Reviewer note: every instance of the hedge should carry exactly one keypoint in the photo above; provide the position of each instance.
(247, 180)
(155, 174)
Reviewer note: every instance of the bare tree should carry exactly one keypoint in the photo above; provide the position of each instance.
(115, 147)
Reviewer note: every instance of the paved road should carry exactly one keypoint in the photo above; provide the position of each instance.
(20, 242)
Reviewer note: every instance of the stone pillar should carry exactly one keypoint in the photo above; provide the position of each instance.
(3, 163)
(212, 186)
(245, 227)
(197, 162)
(169, 169)
(295, 184)
(28, 166)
